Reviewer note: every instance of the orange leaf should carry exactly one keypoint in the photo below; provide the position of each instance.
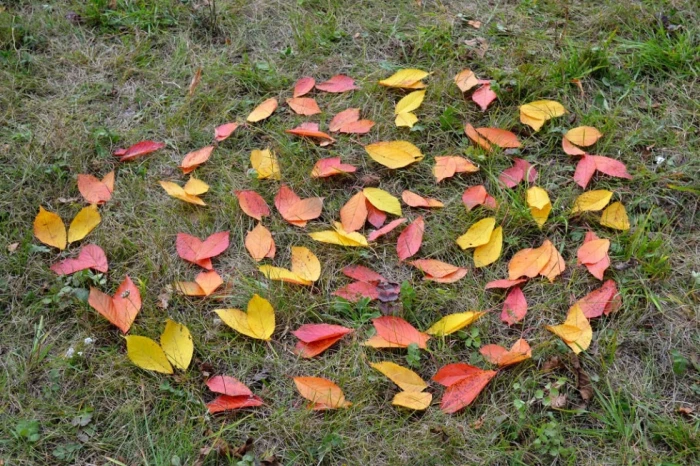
(200, 252)
(414, 200)
(350, 115)
(221, 133)
(226, 403)
(322, 393)
(303, 86)
(467, 383)
(500, 137)
(410, 239)
(95, 191)
(338, 83)
(357, 127)
(504, 283)
(466, 80)
(476, 137)
(316, 338)
(330, 167)
(295, 210)
(571, 149)
(259, 243)
(262, 111)
(120, 310)
(388, 228)
(90, 257)
(138, 150)
(514, 307)
(252, 204)
(353, 214)
(310, 130)
(447, 166)
(593, 251)
(398, 332)
(604, 300)
(556, 264)
(304, 106)
(439, 271)
(529, 262)
(496, 354)
(195, 159)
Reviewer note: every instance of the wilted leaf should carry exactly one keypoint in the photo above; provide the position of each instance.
(259, 243)
(478, 234)
(262, 111)
(195, 82)
(322, 393)
(195, 159)
(258, 322)
(502, 357)
(90, 257)
(138, 150)
(514, 307)
(96, 191)
(120, 310)
(453, 323)
(338, 83)
(410, 239)
(394, 154)
(265, 164)
(576, 331)
(252, 204)
(539, 203)
(615, 216)
(330, 167)
(304, 106)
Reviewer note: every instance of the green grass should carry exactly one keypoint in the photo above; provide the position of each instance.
(78, 79)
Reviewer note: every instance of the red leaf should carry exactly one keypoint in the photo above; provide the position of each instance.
(514, 307)
(474, 196)
(338, 83)
(330, 167)
(358, 290)
(611, 167)
(96, 191)
(195, 159)
(227, 385)
(602, 300)
(375, 217)
(221, 133)
(462, 393)
(388, 228)
(410, 239)
(484, 96)
(252, 204)
(451, 374)
(90, 257)
(511, 177)
(295, 210)
(310, 333)
(303, 86)
(505, 283)
(397, 331)
(138, 150)
(226, 403)
(585, 169)
(200, 252)
(363, 274)
(309, 350)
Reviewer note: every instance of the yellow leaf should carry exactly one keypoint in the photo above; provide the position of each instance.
(383, 201)
(84, 222)
(340, 237)
(410, 102)
(536, 113)
(178, 192)
(413, 400)
(453, 322)
(592, 201)
(576, 331)
(407, 79)
(262, 111)
(305, 264)
(465, 80)
(405, 119)
(540, 205)
(394, 154)
(615, 216)
(177, 345)
(237, 320)
(147, 354)
(583, 136)
(478, 234)
(195, 187)
(405, 378)
(278, 273)
(265, 164)
(49, 229)
(261, 317)
(489, 253)
(350, 236)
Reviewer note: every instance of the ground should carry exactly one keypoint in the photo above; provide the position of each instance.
(79, 79)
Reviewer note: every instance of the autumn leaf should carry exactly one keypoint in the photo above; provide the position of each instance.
(265, 164)
(138, 150)
(405, 106)
(439, 271)
(476, 196)
(195, 159)
(484, 137)
(322, 393)
(188, 193)
(583, 136)
(594, 254)
(295, 210)
(234, 395)
(90, 257)
(310, 130)
(375, 217)
(589, 164)
(514, 307)
(382, 200)
(50, 229)
(200, 252)
(262, 111)
(535, 114)
(120, 309)
(576, 331)
(556, 264)
(496, 354)
(604, 300)
(340, 237)
(252, 204)
(484, 96)
(453, 323)
(529, 262)
(348, 121)
(410, 239)
(466, 80)
(330, 167)
(414, 200)
(395, 332)
(364, 287)
(259, 243)
(448, 166)
(353, 214)
(305, 270)
(222, 132)
(504, 283)
(406, 79)
(258, 322)
(96, 191)
(386, 229)
(463, 382)
(175, 349)
(418, 401)
(615, 216)
(394, 154)
(304, 106)
(314, 339)
(204, 284)
(405, 378)
(539, 203)
(488, 253)
(303, 86)
(520, 170)
(337, 84)
(478, 234)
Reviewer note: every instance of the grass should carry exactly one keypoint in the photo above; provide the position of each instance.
(78, 79)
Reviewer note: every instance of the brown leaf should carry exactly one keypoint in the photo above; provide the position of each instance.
(195, 82)
(583, 382)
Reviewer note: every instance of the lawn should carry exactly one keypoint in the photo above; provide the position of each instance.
(79, 79)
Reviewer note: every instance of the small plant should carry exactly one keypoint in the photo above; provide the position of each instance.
(471, 338)
(549, 439)
(408, 296)
(413, 355)
(359, 313)
(27, 431)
